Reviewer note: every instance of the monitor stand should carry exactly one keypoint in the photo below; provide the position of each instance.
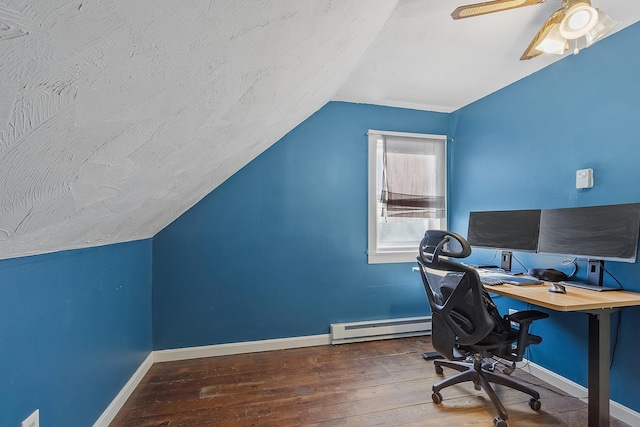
(595, 270)
(505, 261)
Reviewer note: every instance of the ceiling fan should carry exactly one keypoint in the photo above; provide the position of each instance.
(575, 19)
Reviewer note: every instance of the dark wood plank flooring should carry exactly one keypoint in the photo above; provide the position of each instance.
(380, 383)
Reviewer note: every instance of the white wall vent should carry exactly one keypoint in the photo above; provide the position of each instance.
(380, 329)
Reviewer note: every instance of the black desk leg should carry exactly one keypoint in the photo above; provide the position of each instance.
(599, 359)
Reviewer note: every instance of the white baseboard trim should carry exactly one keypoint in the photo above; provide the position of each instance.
(617, 410)
(240, 348)
(112, 410)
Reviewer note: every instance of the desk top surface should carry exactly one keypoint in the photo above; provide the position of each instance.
(575, 299)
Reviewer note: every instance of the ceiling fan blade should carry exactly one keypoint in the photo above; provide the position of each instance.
(490, 7)
(531, 51)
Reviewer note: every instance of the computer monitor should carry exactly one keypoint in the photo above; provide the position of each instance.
(598, 233)
(515, 230)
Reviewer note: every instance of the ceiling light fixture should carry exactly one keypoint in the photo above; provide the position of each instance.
(579, 18)
(552, 41)
(603, 27)
(574, 19)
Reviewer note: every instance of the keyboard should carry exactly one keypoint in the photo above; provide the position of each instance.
(490, 281)
(589, 287)
(502, 279)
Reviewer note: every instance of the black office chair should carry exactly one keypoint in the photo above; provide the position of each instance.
(467, 328)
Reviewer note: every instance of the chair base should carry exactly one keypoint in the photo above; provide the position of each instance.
(482, 378)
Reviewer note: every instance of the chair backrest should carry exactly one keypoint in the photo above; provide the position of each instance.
(459, 311)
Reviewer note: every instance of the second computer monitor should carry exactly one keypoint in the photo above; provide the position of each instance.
(607, 232)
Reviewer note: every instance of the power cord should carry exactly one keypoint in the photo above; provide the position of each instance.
(615, 340)
(613, 277)
(541, 383)
(518, 261)
(575, 266)
(495, 255)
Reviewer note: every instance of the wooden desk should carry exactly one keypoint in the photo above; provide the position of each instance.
(599, 306)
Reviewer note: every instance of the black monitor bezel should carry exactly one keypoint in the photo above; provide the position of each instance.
(506, 216)
(570, 216)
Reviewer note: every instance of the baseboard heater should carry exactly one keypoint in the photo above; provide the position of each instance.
(342, 333)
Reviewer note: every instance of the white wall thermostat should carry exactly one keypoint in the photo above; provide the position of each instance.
(584, 178)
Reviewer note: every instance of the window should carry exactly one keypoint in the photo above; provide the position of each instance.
(407, 193)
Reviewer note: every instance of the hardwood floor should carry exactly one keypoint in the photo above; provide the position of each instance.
(380, 383)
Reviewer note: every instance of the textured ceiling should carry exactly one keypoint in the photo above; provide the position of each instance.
(116, 116)
(424, 59)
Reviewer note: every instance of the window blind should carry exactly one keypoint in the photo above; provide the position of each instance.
(413, 181)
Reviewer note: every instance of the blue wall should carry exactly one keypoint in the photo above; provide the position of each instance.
(74, 327)
(520, 148)
(279, 249)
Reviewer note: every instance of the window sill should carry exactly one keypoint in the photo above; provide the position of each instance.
(392, 257)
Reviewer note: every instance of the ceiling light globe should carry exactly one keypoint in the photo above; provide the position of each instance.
(579, 19)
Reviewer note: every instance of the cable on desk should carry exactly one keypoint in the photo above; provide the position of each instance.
(575, 266)
(613, 277)
(518, 261)
(495, 255)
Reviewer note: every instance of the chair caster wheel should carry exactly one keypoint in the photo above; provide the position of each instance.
(439, 370)
(499, 422)
(535, 404)
(437, 398)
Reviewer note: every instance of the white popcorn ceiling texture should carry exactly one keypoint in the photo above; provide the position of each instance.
(117, 116)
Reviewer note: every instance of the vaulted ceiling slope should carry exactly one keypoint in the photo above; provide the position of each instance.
(116, 116)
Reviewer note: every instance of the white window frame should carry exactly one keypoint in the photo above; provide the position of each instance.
(381, 255)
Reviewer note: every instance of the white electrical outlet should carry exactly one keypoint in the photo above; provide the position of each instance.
(32, 420)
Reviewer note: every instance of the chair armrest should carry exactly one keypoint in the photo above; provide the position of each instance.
(524, 319)
(526, 316)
